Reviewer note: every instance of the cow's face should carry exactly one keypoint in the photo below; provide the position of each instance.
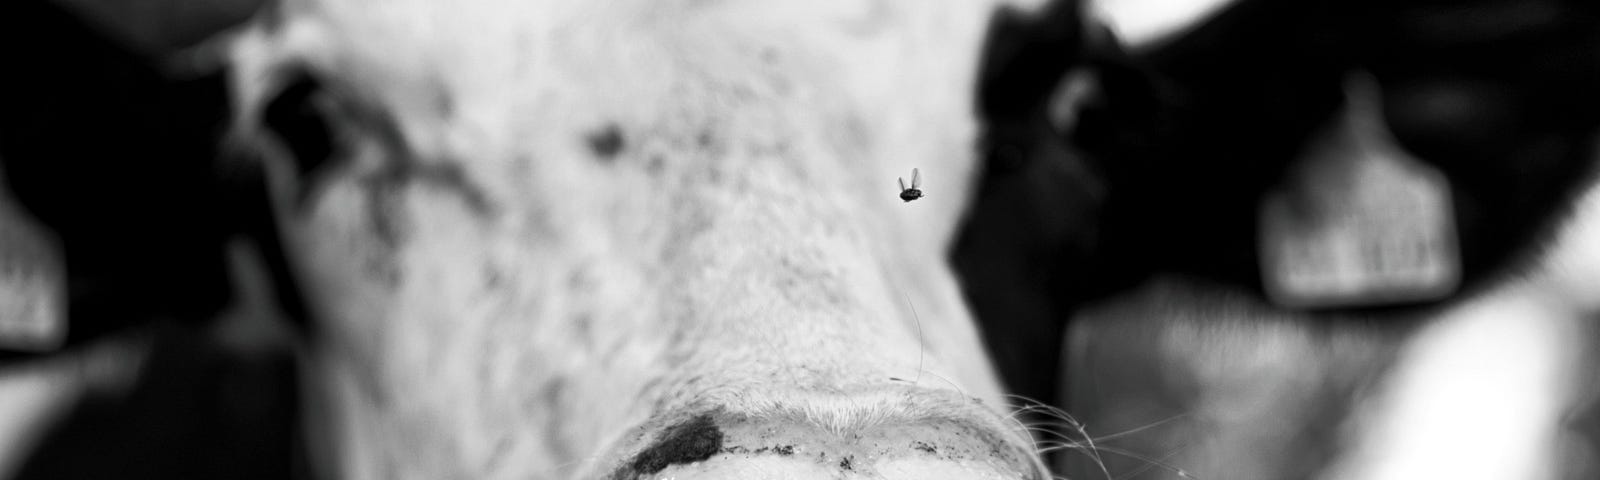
(614, 239)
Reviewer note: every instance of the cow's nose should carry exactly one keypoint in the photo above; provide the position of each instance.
(810, 444)
(774, 467)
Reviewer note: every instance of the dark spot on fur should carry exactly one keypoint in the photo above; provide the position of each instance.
(384, 217)
(846, 464)
(385, 186)
(381, 268)
(443, 104)
(924, 446)
(656, 165)
(492, 278)
(1586, 421)
(583, 323)
(550, 398)
(450, 176)
(784, 450)
(688, 442)
(371, 385)
(581, 281)
(501, 448)
(551, 393)
(607, 142)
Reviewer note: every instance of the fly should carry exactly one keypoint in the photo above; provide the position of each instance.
(915, 192)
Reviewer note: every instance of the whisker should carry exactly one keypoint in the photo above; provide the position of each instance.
(922, 345)
(1148, 461)
(1147, 426)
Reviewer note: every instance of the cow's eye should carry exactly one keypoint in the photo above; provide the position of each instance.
(297, 116)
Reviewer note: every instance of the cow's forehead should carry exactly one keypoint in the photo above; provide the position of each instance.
(490, 48)
(483, 79)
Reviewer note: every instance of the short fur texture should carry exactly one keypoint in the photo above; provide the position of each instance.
(503, 298)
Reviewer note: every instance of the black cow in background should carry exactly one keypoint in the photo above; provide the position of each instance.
(111, 146)
(1161, 174)
(1163, 168)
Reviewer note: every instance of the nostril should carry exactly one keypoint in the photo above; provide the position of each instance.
(691, 441)
(720, 444)
(772, 467)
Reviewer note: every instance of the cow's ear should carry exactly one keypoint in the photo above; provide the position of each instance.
(279, 128)
(1066, 112)
(1112, 106)
(1061, 67)
(279, 141)
(114, 157)
(1025, 55)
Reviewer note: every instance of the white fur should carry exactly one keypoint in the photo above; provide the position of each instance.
(746, 243)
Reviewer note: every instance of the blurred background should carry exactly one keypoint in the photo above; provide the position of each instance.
(166, 368)
(178, 361)
(1130, 227)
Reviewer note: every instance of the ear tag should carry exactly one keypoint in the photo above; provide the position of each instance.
(1358, 221)
(33, 304)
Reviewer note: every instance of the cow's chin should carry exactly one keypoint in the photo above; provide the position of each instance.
(894, 432)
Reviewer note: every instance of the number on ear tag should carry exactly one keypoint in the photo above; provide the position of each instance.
(1359, 222)
(33, 313)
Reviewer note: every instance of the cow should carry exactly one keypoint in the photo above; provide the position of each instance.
(1213, 362)
(658, 239)
(633, 239)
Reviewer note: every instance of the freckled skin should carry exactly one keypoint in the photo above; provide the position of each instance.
(542, 299)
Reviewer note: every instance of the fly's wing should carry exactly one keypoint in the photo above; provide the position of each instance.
(902, 183)
(916, 179)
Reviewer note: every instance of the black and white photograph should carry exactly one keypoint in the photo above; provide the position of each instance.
(800, 239)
